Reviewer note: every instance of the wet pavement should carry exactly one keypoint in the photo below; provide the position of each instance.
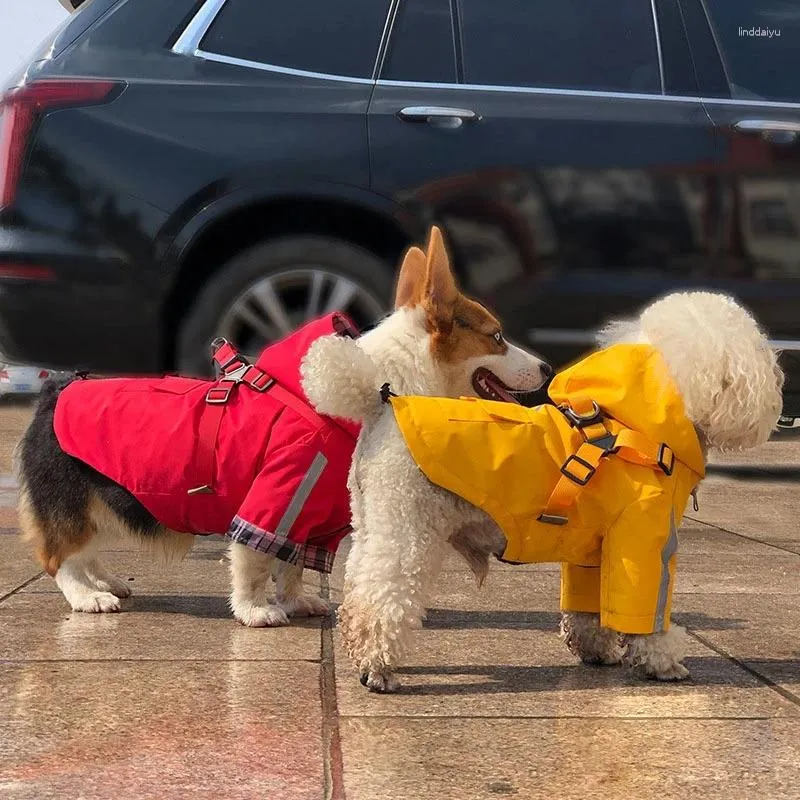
(173, 699)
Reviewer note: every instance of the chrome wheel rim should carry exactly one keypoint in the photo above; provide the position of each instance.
(279, 303)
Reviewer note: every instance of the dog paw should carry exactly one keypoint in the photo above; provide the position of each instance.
(673, 672)
(113, 585)
(380, 682)
(262, 616)
(305, 605)
(97, 602)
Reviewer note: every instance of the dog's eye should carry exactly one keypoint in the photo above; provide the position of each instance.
(461, 322)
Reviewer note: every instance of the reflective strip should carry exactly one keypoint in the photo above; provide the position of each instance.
(301, 495)
(670, 548)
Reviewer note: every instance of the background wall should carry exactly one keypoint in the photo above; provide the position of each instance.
(24, 25)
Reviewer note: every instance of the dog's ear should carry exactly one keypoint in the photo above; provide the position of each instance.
(411, 281)
(441, 292)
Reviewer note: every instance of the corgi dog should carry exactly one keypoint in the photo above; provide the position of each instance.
(91, 469)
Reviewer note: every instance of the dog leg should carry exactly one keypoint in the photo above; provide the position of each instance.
(106, 581)
(82, 593)
(659, 655)
(591, 643)
(250, 572)
(290, 597)
(385, 599)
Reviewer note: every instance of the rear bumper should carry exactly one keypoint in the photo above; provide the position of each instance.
(68, 306)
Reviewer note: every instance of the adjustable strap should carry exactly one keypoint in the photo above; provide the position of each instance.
(636, 448)
(235, 369)
(599, 442)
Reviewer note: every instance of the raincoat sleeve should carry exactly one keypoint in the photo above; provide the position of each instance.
(632, 588)
(294, 499)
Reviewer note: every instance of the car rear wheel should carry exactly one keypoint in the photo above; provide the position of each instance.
(268, 290)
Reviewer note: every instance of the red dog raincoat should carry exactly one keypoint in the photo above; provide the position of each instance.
(244, 455)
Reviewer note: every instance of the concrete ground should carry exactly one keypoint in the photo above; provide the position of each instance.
(172, 699)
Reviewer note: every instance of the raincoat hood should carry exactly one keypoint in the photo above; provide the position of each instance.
(282, 359)
(632, 384)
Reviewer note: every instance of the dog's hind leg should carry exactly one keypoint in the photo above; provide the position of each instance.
(291, 597)
(105, 581)
(61, 512)
(76, 578)
(65, 545)
(250, 573)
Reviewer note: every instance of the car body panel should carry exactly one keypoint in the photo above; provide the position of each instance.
(562, 207)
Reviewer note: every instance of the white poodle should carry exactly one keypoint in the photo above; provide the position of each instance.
(721, 367)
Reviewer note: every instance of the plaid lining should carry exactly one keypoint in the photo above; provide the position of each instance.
(278, 545)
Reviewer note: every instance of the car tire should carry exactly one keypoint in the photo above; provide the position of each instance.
(271, 259)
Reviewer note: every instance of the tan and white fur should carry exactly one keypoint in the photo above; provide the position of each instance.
(731, 386)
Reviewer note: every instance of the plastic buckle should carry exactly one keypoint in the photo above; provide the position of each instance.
(667, 466)
(606, 443)
(581, 420)
(236, 375)
(219, 395)
(576, 478)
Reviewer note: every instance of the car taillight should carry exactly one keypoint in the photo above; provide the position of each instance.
(3, 374)
(43, 374)
(19, 109)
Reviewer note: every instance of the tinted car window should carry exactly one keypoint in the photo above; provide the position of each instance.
(339, 37)
(422, 47)
(760, 44)
(569, 44)
(679, 76)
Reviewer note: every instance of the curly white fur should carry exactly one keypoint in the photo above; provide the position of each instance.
(659, 655)
(720, 359)
(731, 386)
(593, 644)
(341, 379)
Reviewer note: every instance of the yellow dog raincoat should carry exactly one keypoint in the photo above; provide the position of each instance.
(599, 483)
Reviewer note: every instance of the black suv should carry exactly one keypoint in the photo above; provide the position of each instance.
(170, 171)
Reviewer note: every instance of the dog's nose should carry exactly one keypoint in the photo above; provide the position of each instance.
(547, 371)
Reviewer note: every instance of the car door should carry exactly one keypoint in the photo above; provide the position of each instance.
(561, 145)
(748, 64)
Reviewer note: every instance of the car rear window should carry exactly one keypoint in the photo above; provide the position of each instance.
(336, 37)
(569, 44)
(760, 43)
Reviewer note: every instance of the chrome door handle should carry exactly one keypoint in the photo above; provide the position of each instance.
(772, 130)
(439, 116)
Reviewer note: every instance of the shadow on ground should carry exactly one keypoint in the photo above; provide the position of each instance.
(448, 619)
(506, 679)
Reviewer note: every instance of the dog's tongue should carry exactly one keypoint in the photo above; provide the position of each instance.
(500, 388)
